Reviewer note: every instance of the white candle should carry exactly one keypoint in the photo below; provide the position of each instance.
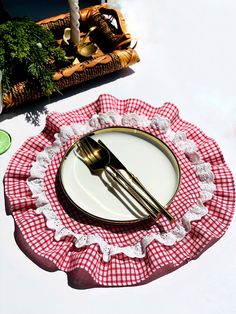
(74, 21)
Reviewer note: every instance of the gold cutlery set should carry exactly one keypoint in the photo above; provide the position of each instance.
(98, 158)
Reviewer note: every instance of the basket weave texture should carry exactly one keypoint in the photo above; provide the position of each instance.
(114, 52)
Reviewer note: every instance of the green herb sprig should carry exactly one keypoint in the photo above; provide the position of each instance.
(28, 52)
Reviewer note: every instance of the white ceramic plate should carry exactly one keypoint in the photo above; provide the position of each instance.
(143, 154)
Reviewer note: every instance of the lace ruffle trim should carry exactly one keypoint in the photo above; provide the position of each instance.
(194, 213)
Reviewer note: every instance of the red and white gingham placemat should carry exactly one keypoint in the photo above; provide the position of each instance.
(56, 236)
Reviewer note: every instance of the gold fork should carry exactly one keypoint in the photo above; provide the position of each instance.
(95, 162)
(115, 163)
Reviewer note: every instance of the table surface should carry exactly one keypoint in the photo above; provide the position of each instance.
(187, 51)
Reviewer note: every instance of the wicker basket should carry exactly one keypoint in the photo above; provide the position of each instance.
(114, 52)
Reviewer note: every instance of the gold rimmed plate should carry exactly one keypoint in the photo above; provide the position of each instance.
(146, 156)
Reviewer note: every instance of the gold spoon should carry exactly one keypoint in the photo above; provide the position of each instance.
(94, 163)
(116, 163)
(100, 159)
(100, 151)
(87, 49)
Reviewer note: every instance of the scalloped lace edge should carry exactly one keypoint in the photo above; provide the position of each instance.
(194, 213)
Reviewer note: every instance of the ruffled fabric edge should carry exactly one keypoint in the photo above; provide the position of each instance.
(159, 121)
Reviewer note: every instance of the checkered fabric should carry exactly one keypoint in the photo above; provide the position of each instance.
(120, 270)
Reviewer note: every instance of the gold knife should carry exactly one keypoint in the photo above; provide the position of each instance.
(117, 164)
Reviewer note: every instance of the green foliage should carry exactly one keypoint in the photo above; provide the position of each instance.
(28, 52)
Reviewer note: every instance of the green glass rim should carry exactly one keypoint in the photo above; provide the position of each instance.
(5, 145)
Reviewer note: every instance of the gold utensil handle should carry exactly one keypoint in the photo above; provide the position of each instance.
(160, 207)
(131, 187)
(133, 193)
(118, 165)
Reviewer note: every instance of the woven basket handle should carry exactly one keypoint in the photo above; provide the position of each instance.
(121, 24)
(127, 41)
(117, 15)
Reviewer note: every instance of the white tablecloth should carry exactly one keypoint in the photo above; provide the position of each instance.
(187, 51)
